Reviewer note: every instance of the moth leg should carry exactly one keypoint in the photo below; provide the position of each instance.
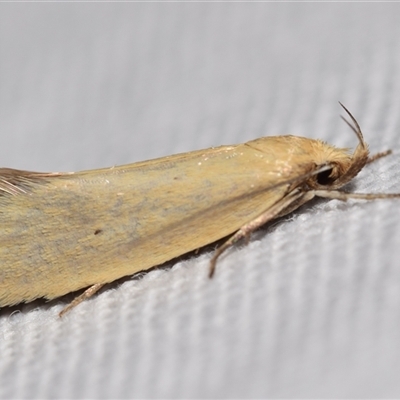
(89, 292)
(377, 156)
(338, 195)
(282, 207)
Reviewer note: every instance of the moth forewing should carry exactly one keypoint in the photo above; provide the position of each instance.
(71, 231)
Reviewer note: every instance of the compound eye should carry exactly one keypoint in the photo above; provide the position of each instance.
(325, 178)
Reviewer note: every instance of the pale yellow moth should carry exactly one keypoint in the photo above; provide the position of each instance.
(61, 232)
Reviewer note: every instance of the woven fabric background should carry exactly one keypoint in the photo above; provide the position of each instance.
(311, 307)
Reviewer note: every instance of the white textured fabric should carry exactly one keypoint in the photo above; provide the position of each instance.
(311, 307)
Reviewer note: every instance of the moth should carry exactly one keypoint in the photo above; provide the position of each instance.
(61, 232)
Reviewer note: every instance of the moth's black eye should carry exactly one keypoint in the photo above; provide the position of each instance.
(324, 177)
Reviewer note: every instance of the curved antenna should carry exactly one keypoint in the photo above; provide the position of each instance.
(355, 128)
(360, 154)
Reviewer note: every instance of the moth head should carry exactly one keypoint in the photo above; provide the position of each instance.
(335, 167)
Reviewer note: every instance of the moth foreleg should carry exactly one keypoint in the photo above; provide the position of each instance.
(296, 197)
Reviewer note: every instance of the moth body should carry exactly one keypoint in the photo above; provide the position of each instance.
(60, 232)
